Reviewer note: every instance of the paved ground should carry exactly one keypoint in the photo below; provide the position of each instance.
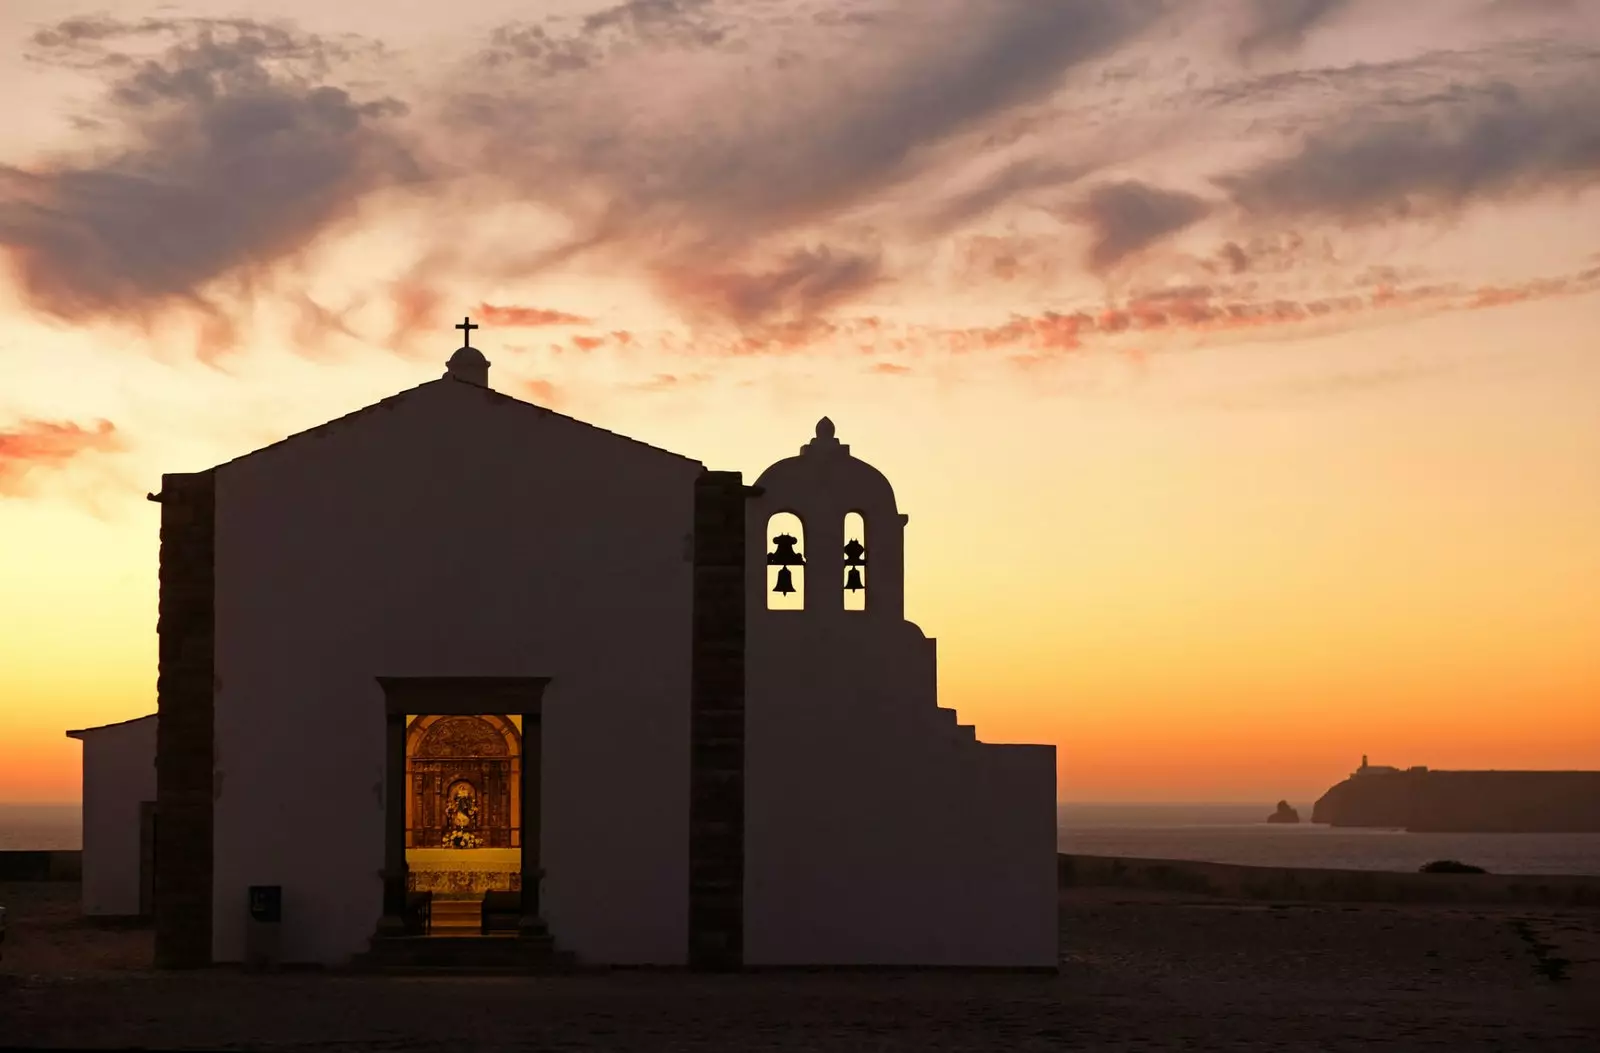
(1138, 973)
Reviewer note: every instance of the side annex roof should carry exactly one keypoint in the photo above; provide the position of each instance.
(81, 732)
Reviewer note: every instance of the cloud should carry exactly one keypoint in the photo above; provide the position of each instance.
(662, 383)
(802, 284)
(513, 315)
(980, 259)
(417, 305)
(860, 133)
(227, 152)
(316, 323)
(1135, 328)
(678, 22)
(1434, 157)
(1012, 183)
(707, 146)
(1160, 317)
(1345, 384)
(764, 165)
(607, 35)
(30, 445)
(1208, 311)
(1237, 259)
(1129, 216)
(1532, 10)
(704, 171)
(543, 392)
(1280, 24)
(1355, 382)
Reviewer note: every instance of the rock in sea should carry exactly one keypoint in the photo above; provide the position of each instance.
(1284, 814)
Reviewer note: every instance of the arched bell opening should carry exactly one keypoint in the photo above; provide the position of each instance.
(786, 571)
(855, 562)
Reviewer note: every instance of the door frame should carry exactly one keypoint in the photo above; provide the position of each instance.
(465, 696)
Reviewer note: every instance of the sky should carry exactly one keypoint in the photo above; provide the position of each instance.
(1235, 360)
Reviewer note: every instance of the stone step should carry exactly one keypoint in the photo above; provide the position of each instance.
(466, 954)
(457, 915)
(457, 909)
(566, 966)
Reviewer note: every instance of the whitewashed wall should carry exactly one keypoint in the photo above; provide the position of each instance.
(450, 532)
(119, 772)
(878, 830)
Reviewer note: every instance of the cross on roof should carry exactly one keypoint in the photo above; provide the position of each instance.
(467, 326)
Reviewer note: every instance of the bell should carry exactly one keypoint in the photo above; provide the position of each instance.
(854, 554)
(852, 581)
(785, 555)
(785, 582)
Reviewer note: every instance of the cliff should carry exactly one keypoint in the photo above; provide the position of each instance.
(1426, 801)
(1369, 798)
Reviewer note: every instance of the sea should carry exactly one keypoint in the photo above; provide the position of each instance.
(1213, 833)
(1239, 833)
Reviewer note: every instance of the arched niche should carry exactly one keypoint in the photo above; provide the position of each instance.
(786, 572)
(463, 767)
(854, 579)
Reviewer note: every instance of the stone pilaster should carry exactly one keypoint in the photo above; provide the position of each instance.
(531, 790)
(185, 690)
(716, 735)
(395, 789)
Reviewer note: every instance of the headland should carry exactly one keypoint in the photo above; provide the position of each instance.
(1423, 800)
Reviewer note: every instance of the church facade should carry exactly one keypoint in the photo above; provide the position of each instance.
(457, 644)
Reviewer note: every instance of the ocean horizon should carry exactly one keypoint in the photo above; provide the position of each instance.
(1216, 832)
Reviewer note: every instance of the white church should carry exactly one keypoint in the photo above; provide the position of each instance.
(455, 670)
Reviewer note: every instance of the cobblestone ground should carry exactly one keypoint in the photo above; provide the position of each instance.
(1137, 974)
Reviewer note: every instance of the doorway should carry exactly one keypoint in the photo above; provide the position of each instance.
(462, 775)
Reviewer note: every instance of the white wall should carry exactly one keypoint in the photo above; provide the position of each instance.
(877, 830)
(119, 772)
(451, 532)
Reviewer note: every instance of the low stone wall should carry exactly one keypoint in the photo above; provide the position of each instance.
(1163, 875)
(59, 865)
(1310, 885)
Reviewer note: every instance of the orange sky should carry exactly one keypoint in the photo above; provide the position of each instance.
(1237, 377)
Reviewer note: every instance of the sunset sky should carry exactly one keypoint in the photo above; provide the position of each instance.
(1237, 362)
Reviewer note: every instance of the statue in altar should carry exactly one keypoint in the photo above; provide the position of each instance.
(461, 818)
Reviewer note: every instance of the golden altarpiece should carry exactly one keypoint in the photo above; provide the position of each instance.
(462, 803)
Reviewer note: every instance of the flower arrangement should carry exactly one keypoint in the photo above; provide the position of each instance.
(461, 815)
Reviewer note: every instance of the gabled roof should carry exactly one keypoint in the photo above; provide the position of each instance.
(81, 732)
(398, 397)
